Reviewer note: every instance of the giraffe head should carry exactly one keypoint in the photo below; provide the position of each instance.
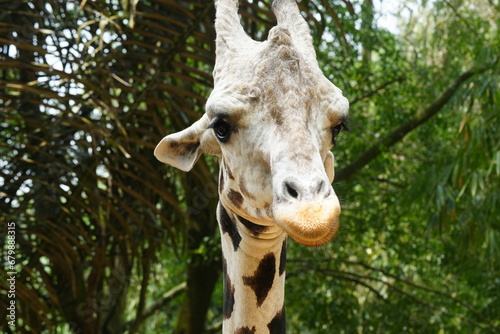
(272, 119)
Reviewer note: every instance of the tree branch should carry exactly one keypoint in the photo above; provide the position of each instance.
(376, 90)
(165, 299)
(398, 134)
(354, 278)
(363, 280)
(470, 307)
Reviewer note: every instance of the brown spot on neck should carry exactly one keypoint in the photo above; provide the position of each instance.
(253, 228)
(221, 180)
(245, 330)
(229, 173)
(228, 226)
(228, 306)
(262, 280)
(278, 324)
(283, 258)
(235, 198)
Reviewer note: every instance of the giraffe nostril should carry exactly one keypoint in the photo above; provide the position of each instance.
(291, 190)
(320, 187)
(306, 189)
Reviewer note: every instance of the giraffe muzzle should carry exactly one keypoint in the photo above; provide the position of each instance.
(311, 223)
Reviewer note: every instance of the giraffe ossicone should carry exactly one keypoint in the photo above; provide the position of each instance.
(272, 119)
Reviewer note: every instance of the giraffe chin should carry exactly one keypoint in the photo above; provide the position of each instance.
(310, 223)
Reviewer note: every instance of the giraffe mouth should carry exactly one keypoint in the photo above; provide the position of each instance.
(309, 223)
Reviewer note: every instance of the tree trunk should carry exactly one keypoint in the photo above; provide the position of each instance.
(204, 265)
(202, 275)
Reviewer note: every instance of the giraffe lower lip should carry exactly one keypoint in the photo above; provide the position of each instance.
(315, 237)
(309, 223)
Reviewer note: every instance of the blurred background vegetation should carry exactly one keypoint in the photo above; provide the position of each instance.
(109, 240)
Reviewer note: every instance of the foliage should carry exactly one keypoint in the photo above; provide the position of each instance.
(109, 240)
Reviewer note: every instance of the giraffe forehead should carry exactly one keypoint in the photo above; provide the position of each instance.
(297, 87)
(278, 79)
(269, 98)
(283, 94)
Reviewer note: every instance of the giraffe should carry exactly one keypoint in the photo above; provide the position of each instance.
(271, 119)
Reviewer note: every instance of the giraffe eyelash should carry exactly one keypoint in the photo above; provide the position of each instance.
(337, 129)
(221, 128)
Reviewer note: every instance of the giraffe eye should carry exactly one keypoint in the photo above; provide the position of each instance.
(336, 130)
(222, 130)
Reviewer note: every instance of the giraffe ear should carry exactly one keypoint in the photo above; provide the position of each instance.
(182, 149)
(329, 166)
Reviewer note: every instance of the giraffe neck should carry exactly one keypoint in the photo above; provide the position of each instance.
(254, 258)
